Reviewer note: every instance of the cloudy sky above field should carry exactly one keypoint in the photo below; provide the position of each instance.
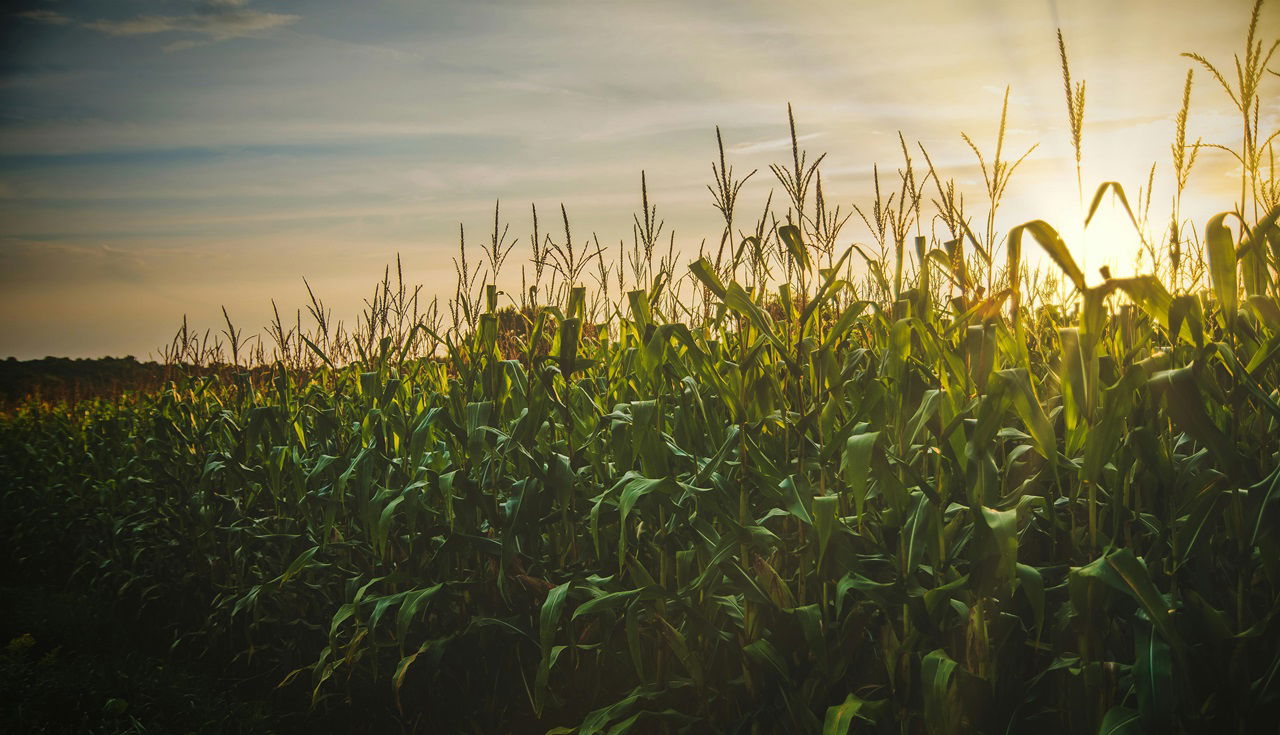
(161, 158)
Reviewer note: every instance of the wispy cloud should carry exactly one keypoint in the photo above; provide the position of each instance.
(77, 263)
(776, 144)
(52, 17)
(210, 20)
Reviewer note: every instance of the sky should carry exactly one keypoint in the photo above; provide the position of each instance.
(161, 158)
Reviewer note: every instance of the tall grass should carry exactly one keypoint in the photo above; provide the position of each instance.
(766, 492)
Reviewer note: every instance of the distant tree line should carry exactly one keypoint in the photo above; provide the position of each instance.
(67, 379)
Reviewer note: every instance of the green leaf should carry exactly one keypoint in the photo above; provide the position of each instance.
(1031, 583)
(1186, 408)
(676, 641)
(1122, 571)
(763, 654)
(1186, 319)
(1149, 294)
(1221, 251)
(1153, 679)
(1077, 359)
(1030, 411)
(605, 602)
(918, 531)
(1052, 243)
(855, 468)
(298, 565)
(996, 553)
(596, 721)
(791, 487)
(636, 487)
(936, 672)
(826, 509)
(1124, 202)
(840, 717)
(773, 584)
(413, 602)
(1121, 721)
(843, 325)
(790, 235)
(706, 273)
(549, 620)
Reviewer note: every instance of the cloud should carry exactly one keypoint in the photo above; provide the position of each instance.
(214, 20)
(775, 144)
(28, 261)
(52, 17)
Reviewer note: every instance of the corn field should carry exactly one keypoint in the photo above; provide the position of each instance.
(787, 484)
